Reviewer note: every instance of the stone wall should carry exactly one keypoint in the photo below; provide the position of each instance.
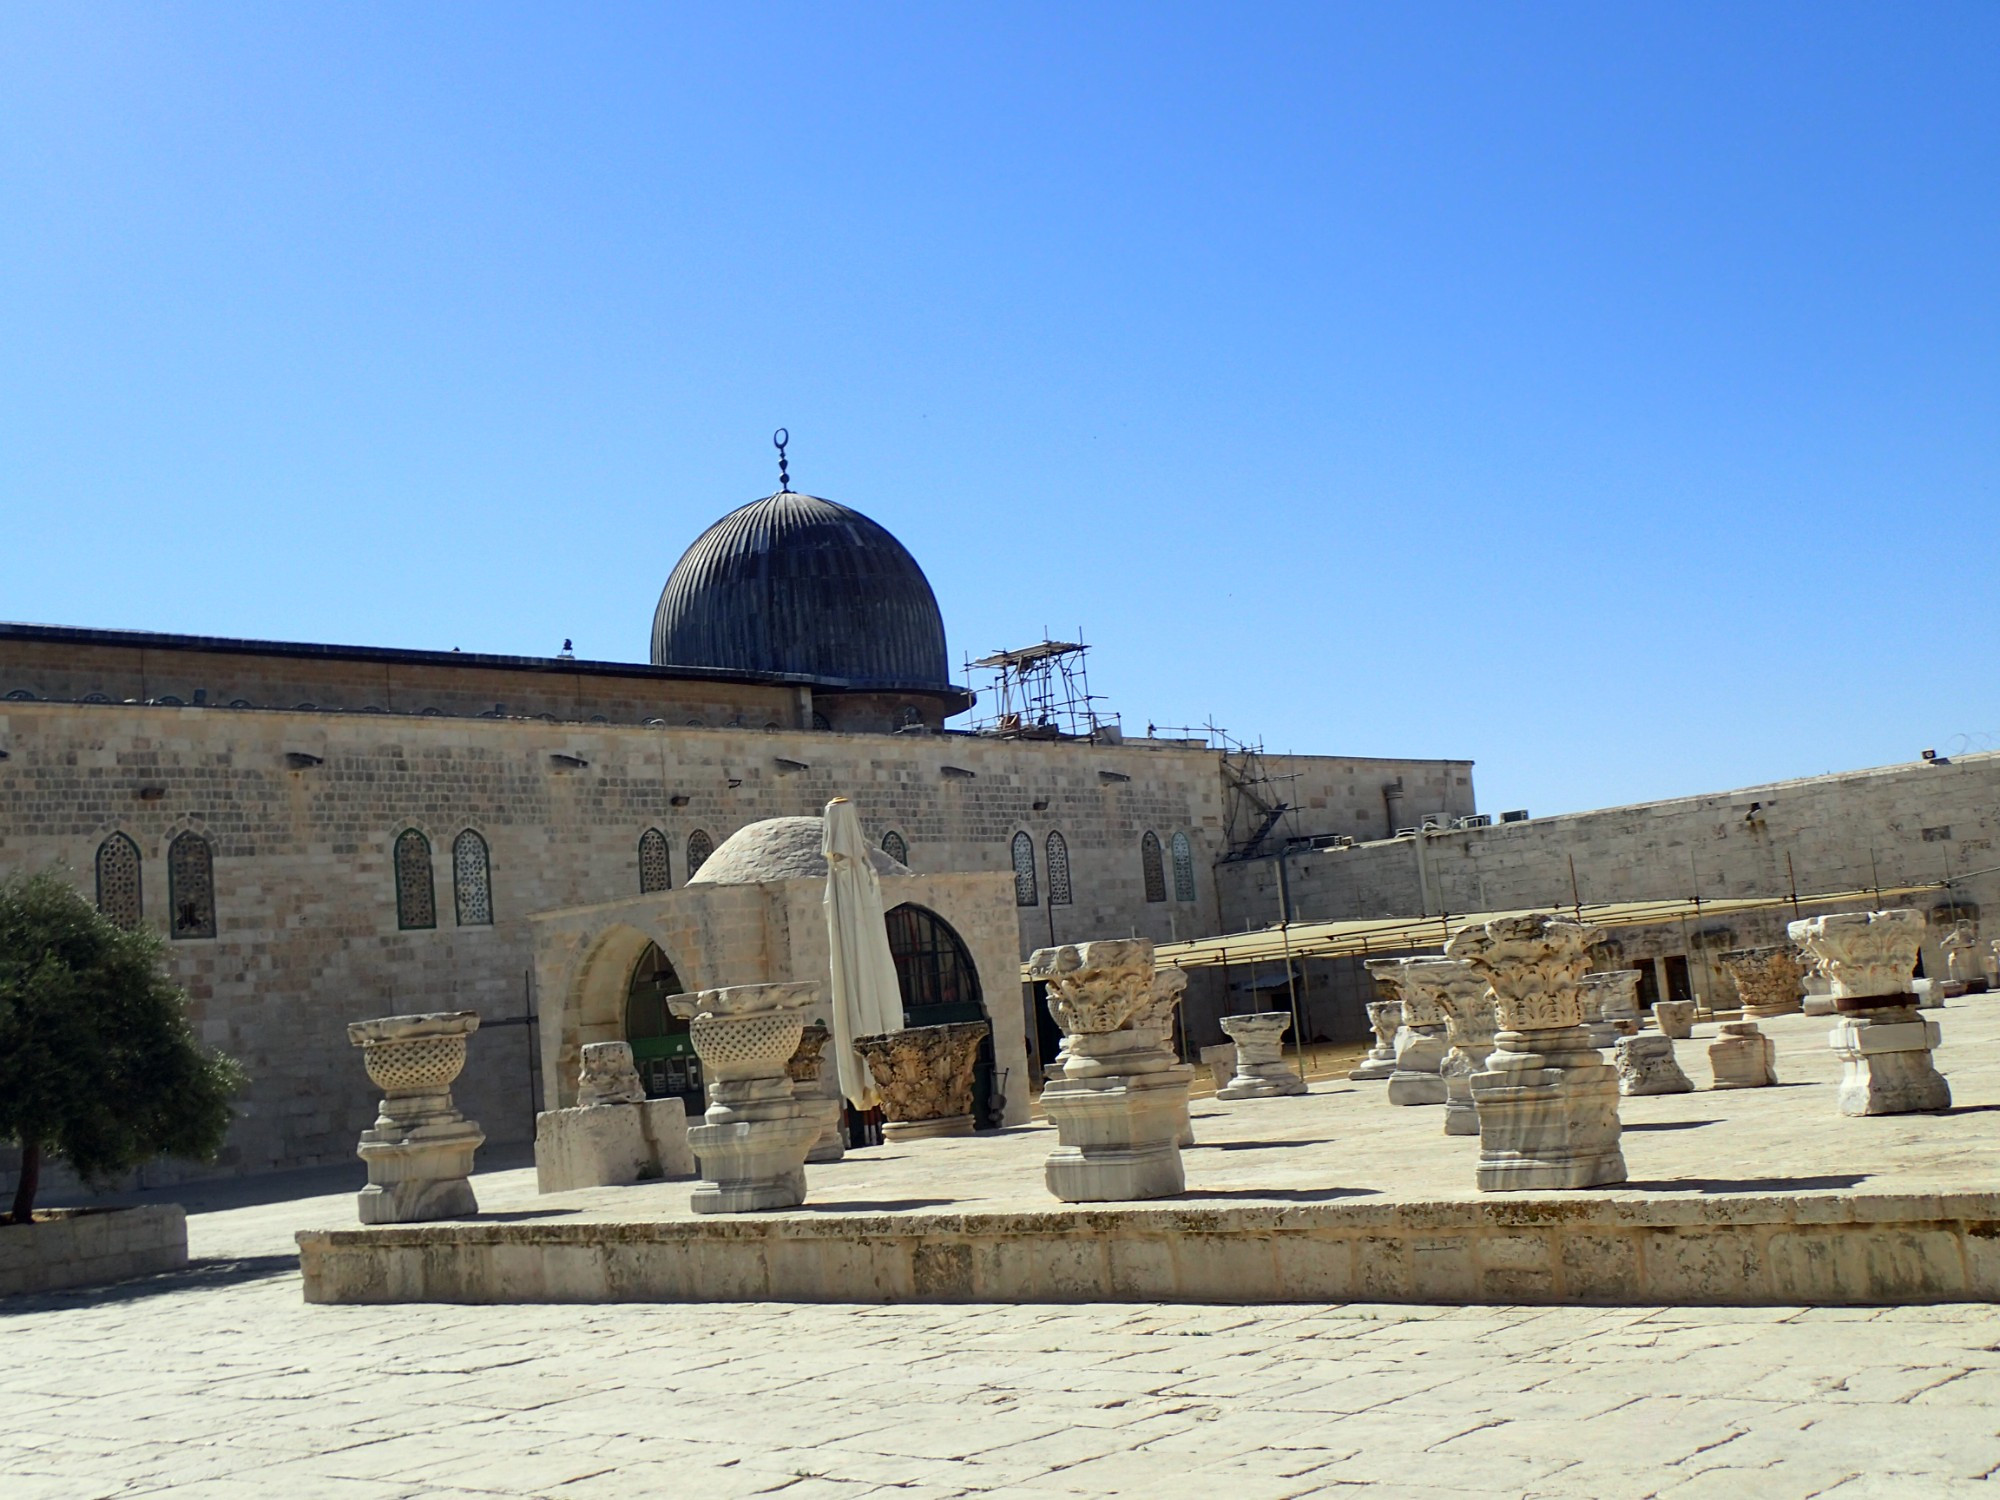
(301, 811)
(1893, 826)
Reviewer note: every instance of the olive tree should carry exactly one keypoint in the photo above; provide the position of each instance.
(97, 1063)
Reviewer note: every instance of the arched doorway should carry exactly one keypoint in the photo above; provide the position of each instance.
(660, 1044)
(940, 985)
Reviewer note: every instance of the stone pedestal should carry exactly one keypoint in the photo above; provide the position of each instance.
(1157, 1016)
(1675, 1018)
(1121, 1104)
(925, 1077)
(754, 1137)
(1384, 1016)
(1612, 995)
(1646, 1065)
(1261, 1069)
(1458, 992)
(803, 1068)
(419, 1151)
(1767, 980)
(1885, 1045)
(1547, 1100)
(616, 1135)
(1421, 1042)
(1220, 1060)
(1742, 1057)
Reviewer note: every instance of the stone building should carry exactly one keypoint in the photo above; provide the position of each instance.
(329, 833)
(1930, 823)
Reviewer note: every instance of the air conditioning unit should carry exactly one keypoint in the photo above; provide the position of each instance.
(1437, 821)
(1519, 815)
(1475, 820)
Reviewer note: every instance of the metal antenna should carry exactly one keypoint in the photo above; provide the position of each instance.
(778, 441)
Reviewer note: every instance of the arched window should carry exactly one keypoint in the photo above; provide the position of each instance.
(822, 723)
(118, 894)
(416, 898)
(1058, 852)
(191, 886)
(895, 848)
(654, 873)
(933, 969)
(661, 1047)
(471, 881)
(1151, 867)
(1183, 867)
(1025, 893)
(700, 846)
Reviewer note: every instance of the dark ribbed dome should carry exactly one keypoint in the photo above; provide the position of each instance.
(800, 585)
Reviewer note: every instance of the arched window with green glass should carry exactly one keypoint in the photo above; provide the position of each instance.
(661, 1047)
(1183, 852)
(1152, 869)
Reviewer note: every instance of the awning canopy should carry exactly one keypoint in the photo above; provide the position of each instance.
(1361, 937)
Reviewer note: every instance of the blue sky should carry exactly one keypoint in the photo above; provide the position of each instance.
(1608, 393)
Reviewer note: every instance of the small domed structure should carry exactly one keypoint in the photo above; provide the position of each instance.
(778, 849)
(797, 585)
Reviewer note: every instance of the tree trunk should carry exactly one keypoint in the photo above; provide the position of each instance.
(29, 1180)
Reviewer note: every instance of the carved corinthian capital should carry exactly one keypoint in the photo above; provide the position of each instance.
(1767, 979)
(1095, 988)
(1863, 953)
(1535, 965)
(1458, 992)
(1389, 976)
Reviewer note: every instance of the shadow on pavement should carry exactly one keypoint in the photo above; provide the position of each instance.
(1669, 1125)
(1251, 1145)
(1287, 1195)
(1747, 1184)
(878, 1206)
(196, 1275)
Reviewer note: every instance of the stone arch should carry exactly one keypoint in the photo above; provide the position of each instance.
(593, 999)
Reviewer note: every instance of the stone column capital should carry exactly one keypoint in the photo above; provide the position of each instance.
(1535, 965)
(1863, 953)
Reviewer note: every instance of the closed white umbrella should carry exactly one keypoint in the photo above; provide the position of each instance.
(867, 1001)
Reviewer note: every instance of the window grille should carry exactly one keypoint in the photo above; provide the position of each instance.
(118, 892)
(700, 846)
(1058, 853)
(1025, 893)
(1151, 867)
(654, 872)
(416, 899)
(191, 886)
(895, 848)
(1183, 851)
(471, 880)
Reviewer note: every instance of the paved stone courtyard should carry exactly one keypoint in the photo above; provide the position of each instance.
(219, 1381)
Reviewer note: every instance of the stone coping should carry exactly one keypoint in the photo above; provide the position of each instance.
(84, 1246)
(1821, 1249)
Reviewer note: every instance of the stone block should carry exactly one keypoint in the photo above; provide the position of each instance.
(1646, 1065)
(1220, 1060)
(1888, 1067)
(1675, 1018)
(68, 1247)
(1742, 1057)
(611, 1145)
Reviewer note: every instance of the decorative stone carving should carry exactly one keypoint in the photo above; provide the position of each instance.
(925, 1076)
(803, 1068)
(1385, 1017)
(1421, 1042)
(1885, 1045)
(1646, 1065)
(1121, 1103)
(419, 1151)
(1675, 1018)
(1169, 986)
(1767, 980)
(1615, 993)
(608, 1075)
(1459, 993)
(756, 1132)
(1547, 1100)
(615, 1135)
(1742, 1057)
(1869, 955)
(1598, 1026)
(1261, 1069)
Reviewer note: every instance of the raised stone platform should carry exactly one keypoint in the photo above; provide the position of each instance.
(1742, 1196)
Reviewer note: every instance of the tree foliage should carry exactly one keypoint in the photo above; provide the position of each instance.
(97, 1062)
